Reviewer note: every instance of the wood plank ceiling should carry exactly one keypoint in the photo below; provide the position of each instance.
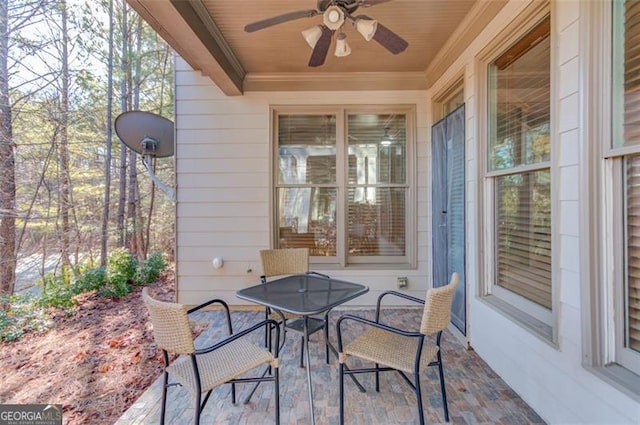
(209, 34)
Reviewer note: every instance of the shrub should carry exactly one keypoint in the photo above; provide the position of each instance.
(56, 291)
(121, 270)
(90, 279)
(121, 265)
(25, 314)
(151, 269)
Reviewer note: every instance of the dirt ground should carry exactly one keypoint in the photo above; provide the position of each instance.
(95, 363)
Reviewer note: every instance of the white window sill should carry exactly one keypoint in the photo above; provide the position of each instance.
(528, 322)
(617, 376)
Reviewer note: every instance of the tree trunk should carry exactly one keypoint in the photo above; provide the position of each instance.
(124, 93)
(65, 181)
(107, 166)
(136, 216)
(8, 259)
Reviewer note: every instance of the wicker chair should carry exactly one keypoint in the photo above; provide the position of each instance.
(393, 349)
(287, 261)
(201, 370)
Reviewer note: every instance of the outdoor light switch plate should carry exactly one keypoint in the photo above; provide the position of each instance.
(403, 282)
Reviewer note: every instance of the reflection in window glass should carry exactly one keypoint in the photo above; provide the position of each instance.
(519, 135)
(364, 177)
(377, 166)
(519, 102)
(523, 235)
(306, 149)
(307, 219)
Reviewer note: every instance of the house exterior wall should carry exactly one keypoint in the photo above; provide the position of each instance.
(223, 209)
(223, 186)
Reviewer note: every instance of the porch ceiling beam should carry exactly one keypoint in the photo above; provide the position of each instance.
(199, 43)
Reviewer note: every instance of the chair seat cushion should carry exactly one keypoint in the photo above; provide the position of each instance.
(219, 366)
(389, 349)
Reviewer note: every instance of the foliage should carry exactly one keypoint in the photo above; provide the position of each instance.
(150, 270)
(121, 270)
(57, 292)
(90, 278)
(25, 314)
(39, 118)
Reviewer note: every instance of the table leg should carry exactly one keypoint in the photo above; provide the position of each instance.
(306, 348)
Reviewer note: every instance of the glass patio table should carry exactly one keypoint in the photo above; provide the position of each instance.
(303, 295)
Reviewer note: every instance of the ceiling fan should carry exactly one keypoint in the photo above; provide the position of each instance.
(335, 13)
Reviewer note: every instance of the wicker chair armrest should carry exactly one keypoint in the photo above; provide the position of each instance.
(243, 333)
(395, 294)
(398, 294)
(371, 323)
(217, 301)
(208, 303)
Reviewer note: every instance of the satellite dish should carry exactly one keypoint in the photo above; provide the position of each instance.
(151, 136)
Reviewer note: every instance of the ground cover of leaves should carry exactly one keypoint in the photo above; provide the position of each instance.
(95, 363)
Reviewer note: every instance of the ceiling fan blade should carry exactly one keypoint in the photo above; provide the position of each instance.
(367, 3)
(321, 48)
(390, 40)
(275, 20)
(387, 38)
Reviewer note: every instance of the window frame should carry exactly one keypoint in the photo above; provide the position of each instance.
(601, 203)
(342, 259)
(532, 317)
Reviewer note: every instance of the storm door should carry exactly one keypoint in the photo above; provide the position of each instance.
(448, 214)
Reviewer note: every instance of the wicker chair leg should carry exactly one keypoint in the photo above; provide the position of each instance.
(326, 337)
(341, 394)
(377, 378)
(276, 382)
(165, 380)
(302, 351)
(196, 419)
(267, 331)
(419, 399)
(445, 406)
(233, 393)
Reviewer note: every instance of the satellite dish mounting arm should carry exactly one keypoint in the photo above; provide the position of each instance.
(148, 155)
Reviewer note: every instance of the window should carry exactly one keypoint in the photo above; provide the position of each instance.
(342, 184)
(518, 177)
(624, 158)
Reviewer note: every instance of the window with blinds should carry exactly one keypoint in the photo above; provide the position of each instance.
(519, 165)
(355, 215)
(627, 134)
(632, 290)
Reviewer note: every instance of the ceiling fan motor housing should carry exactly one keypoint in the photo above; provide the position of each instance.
(333, 17)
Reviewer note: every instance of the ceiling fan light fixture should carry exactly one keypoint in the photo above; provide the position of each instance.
(342, 47)
(333, 17)
(312, 35)
(366, 27)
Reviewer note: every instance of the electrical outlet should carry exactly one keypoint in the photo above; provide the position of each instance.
(403, 282)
